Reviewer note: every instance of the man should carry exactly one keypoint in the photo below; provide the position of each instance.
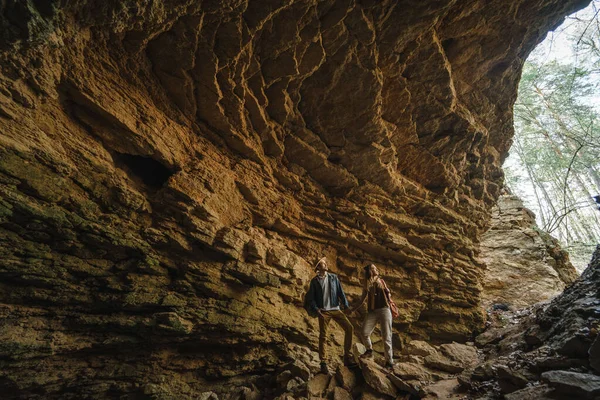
(325, 293)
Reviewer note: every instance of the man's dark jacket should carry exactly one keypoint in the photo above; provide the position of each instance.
(315, 292)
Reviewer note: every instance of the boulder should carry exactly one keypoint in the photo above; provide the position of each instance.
(295, 385)
(298, 368)
(285, 396)
(445, 389)
(282, 379)
(483, 372)
(404, 386)
(440, 362)
(574, 384)
(377, 378)
(370, 394)
(208, 396)
(346, 377)
(341, 394)
(411, 371)
(557, 339)
(510, 380)
(463, 354)
(330, 388)
(358, 349)
(538, 392)
(594, 354)
(418, 348)
(251, 393)
(318, 384)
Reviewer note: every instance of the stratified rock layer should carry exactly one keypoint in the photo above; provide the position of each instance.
(524, 264)
(170, 169)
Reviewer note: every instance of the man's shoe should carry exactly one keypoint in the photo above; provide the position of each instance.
(367, 354)
(350, 363)
(389, 365)
(324, 369)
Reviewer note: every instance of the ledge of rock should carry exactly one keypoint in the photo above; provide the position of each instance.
(171, 169)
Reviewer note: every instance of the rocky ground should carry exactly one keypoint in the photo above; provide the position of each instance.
(421, 371)
(547, 351)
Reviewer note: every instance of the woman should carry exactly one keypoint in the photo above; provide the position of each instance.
(377, 294)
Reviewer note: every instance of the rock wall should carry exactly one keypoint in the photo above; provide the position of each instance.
(548, 351)
(524, 265)
(170, 170)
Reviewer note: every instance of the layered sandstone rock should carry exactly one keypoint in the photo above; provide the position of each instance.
(524, 264)
(169, 171)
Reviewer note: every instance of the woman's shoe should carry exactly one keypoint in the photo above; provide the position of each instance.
(367, 354)
(324, 369)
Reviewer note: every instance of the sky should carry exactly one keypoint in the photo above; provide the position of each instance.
(557, 45)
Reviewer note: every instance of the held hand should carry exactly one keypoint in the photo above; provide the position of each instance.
(319, 312)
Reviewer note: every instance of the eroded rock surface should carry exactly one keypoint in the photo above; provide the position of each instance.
(549, 346)
(524, 264)
(169, 171)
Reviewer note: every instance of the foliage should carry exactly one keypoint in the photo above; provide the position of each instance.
(557, 138)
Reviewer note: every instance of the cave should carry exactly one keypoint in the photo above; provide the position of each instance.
(270, 134)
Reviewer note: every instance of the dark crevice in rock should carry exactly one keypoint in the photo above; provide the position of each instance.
(447, 45)
(144, 169)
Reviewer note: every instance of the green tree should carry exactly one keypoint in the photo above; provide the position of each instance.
(557, 140)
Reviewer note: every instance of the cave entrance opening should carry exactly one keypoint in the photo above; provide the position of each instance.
(554, 163)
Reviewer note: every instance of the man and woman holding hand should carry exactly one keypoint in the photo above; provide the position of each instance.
(326, 297)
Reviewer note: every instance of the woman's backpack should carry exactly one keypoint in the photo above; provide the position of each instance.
(388, 297)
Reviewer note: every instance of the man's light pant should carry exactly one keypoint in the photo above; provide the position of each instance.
(383, 316)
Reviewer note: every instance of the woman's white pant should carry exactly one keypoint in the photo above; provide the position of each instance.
(383, 316)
